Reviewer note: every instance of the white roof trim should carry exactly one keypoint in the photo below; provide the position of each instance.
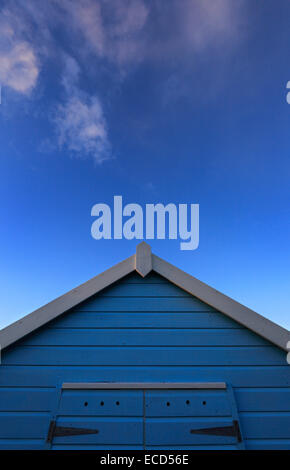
(53, 309)
(238, 312)
(143, 385)
(143, 262)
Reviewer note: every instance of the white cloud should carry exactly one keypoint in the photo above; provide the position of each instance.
(208, 22)
(123, 32)
(105, 30)
(112, 30)
(124, 35)
(85, 17)
(120, 32)
(81, 128)
(18, 63)
(79, 122)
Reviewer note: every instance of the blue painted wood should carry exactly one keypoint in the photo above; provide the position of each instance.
(112, 430)
(266, 425)
(149, 337)
(150, 356)
(187, 403)
(101, 403)
(144, 330)
(142, 320)
(263, 399)
(144, 304)
(176, 431)
(96, 409)
(172, 415)
(21, 444)
(23, 425)
(248, 376)
(192, 447)
(94, 447)
(268, 444)
(26, 399)
(144, 290)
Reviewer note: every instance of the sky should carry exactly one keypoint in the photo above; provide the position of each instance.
(182, 101)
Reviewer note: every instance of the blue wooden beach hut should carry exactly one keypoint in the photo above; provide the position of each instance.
(144, 356)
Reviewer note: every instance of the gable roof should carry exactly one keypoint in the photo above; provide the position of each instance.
(143, 262)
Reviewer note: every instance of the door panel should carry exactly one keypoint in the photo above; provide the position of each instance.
(177, 431)
(187, 403)
(194, 418)
(101, 402)
(145, 418)
(107, 431)
(97, 419)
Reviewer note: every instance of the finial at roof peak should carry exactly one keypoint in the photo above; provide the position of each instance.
(143, 259)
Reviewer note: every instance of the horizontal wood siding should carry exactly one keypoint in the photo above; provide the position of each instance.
(143, 330)
(26, 399)
(164, 320)
(148, 338)
(143, 356)
(46, 376)
(25, 425)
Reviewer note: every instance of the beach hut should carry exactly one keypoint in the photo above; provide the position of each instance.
(144, 356)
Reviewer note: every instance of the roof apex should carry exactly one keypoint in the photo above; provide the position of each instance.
(143, 259)
(143, 262)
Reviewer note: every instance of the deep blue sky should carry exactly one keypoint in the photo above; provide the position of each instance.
(183, 104)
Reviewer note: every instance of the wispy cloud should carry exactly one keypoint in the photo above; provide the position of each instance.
(18, 63)
(79, 121)
(112, 30)
(209, 23)
(121, 33)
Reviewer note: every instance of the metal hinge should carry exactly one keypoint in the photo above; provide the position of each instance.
(231, 431)
(57, 431)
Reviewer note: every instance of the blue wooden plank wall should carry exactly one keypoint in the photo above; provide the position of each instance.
(144, 330)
